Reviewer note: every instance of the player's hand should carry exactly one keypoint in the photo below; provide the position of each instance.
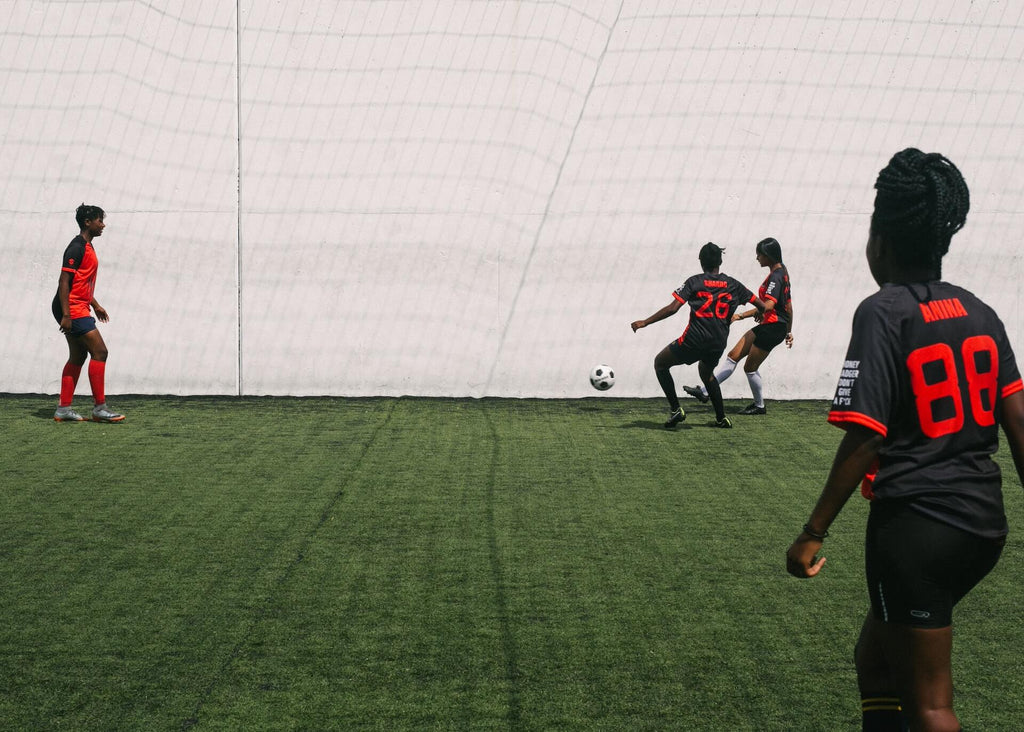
(637, 325)
(101, 314)
(789, 340)
(65, 325)
(735, 316)
(802, 559)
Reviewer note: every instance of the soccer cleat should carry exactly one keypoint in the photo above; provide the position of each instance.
(100, 413)
(675, 418)
(696, 393)
(67, 414)
(754, 409)
(725, 423)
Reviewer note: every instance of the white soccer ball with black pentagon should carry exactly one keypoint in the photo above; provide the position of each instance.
(602, 377)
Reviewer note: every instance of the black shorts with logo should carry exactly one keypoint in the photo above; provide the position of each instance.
(919, 568)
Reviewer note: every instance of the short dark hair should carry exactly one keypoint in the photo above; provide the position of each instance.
(711, 255)
(770, 248)
(921, 201)
(86, 212)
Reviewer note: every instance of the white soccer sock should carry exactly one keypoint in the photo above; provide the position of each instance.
(756, 387)
(723, 373)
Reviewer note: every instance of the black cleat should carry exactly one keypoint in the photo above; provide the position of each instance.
(675, 418)
(696, 393)
(725, 423)
(754, 409)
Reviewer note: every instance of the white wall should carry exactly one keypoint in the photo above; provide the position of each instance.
(469, 198)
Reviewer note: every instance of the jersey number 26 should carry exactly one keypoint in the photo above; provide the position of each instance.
(721, 305)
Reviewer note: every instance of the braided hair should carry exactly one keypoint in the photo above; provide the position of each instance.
(922, 200)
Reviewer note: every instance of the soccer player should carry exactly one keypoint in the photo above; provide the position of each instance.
(776, 326)
(928, 378)
(713, 298)
(73, 306)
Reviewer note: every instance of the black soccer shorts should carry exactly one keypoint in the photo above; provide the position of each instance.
(769, 335)
(684, 353)
(918, 568)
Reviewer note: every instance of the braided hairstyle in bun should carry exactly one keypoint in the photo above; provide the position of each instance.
(921, 201)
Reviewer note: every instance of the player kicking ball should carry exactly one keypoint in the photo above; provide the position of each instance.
(73, 308)
(713, 298)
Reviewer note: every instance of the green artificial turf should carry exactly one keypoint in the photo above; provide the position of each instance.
(435, 564)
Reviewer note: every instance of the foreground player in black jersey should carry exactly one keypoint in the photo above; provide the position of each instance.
(929, 376)
(713, 298)
(775, 326)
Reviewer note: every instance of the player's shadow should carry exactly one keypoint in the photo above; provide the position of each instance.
(44, 413)
(646, 424)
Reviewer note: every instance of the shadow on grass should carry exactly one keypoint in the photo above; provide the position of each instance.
(644, 424)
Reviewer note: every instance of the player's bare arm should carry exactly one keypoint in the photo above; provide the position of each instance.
(101, 313)
(854, 458)
(1012, 419)
(64, 295)
(671, 309)
(789, 335)
(754, 312)
(762, 307)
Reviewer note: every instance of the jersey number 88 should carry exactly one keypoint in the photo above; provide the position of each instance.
(982, 385)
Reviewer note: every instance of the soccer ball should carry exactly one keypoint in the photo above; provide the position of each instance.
(602, 377)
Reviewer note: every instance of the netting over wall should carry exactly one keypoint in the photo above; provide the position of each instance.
(476, 198)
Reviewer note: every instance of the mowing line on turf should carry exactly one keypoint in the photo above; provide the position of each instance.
(498, 576)
(285, 575)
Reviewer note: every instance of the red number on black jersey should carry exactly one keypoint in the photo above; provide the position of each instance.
(982, 384)
(721, 305)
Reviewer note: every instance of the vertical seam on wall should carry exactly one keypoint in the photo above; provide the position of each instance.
(238, 195)
(547, 206)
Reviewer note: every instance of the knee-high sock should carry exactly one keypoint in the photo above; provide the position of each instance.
(715, 392)
(722, 374)
(97, 371)
(668, 385)
(756, 387)
(68, 382)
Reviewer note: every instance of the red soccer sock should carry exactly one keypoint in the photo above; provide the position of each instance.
(68, 382)
(97, 370)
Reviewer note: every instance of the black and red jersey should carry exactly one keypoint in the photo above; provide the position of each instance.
(713, 298)
(80, 260)
(776, 289)
(927, 367)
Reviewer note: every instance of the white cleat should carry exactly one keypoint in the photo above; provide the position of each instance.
(67, 414)
(100, 413)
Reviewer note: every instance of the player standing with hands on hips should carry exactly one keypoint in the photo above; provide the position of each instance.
(73, 306)
(929, 376)
(713, 298)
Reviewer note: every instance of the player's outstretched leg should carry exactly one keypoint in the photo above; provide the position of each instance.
(756, 357)
(697, 392)
(714, 393)
(662, 363)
